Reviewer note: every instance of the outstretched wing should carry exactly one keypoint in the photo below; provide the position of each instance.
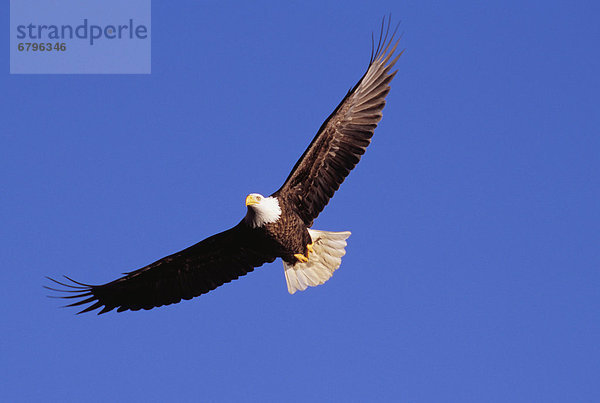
(193, 271)
(343, 137)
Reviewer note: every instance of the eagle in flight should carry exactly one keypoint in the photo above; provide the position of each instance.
(275, 226)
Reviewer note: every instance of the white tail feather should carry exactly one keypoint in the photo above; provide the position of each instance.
(326, 257)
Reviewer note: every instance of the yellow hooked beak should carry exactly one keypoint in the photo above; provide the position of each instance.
(250, 200)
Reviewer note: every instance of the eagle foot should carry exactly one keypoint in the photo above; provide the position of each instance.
(309, 249)
(301, 258)
(304, 258)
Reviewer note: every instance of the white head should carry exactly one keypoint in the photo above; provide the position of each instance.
(261, 210)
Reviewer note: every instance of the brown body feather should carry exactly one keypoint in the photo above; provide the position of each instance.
(289, 233)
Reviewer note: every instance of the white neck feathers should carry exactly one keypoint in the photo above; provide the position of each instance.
(265, 212)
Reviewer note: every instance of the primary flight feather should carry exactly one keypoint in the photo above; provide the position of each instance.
(274, 226)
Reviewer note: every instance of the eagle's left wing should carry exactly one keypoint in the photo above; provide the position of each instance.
(193, 271)
(342, 139)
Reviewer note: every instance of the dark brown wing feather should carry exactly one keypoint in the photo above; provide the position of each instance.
(343, 137)
(193, 271)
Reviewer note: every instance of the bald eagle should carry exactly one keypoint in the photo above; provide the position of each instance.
(277, 226)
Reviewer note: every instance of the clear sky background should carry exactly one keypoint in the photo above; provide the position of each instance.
(473, 271)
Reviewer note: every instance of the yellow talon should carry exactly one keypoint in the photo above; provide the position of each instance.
(301, 257)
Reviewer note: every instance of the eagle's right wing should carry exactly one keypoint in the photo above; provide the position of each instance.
(193, 271)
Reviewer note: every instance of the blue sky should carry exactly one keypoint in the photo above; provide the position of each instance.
(473, 270)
